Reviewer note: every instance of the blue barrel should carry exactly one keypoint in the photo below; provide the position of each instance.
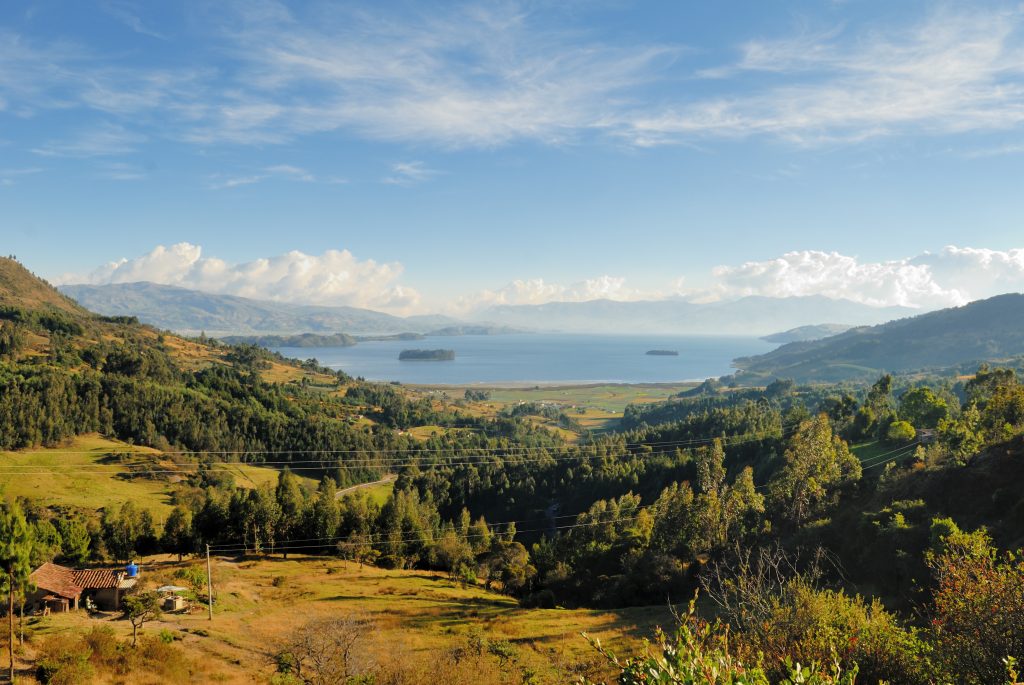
(133, 569)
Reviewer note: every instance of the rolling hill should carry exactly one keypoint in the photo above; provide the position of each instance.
(986, 330)
(805, 333)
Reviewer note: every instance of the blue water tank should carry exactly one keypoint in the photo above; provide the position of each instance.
(133, 570)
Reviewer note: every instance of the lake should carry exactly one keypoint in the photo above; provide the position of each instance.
(539, 358)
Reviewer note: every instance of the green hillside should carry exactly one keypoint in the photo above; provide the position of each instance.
(986, 330)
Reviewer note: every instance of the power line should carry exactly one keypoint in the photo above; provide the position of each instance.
(358, 464)
(286, 546)
(418, 450)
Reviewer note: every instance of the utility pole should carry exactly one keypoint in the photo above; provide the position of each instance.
(209, 582)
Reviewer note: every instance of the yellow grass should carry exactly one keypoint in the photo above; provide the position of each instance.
(415, 616)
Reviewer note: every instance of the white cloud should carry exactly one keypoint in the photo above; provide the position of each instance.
(128, 14)
(279, 171)
(953, 276)
(539, 291)
(409, 173)
(482, 76)
(954, 73)
(335, 277)
(930, 280)
(103, 141)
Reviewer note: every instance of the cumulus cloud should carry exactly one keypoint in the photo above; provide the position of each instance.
(931, 280)
(539, 291)
(335, 277)
(949, 277)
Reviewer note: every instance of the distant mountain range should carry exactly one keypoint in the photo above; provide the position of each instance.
(986, 330)
(746, 316)
(191, 311)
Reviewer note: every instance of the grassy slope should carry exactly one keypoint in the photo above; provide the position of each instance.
(415, 614)
(89, 478)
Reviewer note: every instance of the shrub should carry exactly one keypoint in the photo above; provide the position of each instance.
(64, 660)
(978, 606)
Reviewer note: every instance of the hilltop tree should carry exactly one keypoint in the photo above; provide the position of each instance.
(15, 562)
(817, 465)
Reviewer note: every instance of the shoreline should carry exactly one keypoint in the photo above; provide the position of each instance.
(548, 385)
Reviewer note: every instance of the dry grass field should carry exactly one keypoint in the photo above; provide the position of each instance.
(415, 621)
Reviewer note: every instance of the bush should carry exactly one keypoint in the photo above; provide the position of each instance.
(64, 660)
(978, 612)
(700, 653)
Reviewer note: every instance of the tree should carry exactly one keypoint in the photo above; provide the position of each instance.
(900, 432)
(177, 537)
(122, 531)
(45, 542)
(74, 540)
(290, 503)
(15, 561)
(139, 609)
(326, 651)
(817, 465)
(923, 408)
(323, 515)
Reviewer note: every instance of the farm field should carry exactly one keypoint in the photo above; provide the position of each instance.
(417, 618)
(596, 407)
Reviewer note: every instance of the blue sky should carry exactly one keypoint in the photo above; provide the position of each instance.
(446, 156)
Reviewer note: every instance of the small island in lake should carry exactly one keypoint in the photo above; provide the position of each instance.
(427, 355)
(663, 353)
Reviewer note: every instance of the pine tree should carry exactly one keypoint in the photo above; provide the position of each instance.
(15, 561)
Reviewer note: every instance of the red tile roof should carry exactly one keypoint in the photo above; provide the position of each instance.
(70, 583)
(97, 578)
(57, 580)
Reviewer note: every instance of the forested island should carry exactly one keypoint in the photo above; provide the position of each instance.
(662, 353)
(427, 355)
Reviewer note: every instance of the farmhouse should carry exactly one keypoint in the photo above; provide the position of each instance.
(59, 588)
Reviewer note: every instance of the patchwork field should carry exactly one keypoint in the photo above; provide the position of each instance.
(596, 407)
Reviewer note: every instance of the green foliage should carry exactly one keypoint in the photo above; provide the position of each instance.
(922, 408)
(177, 535)
(900, 432)
(139, 609)
(701, 653)
(15, 560)
(817, 466)
(75, 540)
(978, 606)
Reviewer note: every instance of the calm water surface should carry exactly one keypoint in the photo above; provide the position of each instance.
(540, 358)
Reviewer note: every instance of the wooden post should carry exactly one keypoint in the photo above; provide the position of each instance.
(209, 582)
(10, 616)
